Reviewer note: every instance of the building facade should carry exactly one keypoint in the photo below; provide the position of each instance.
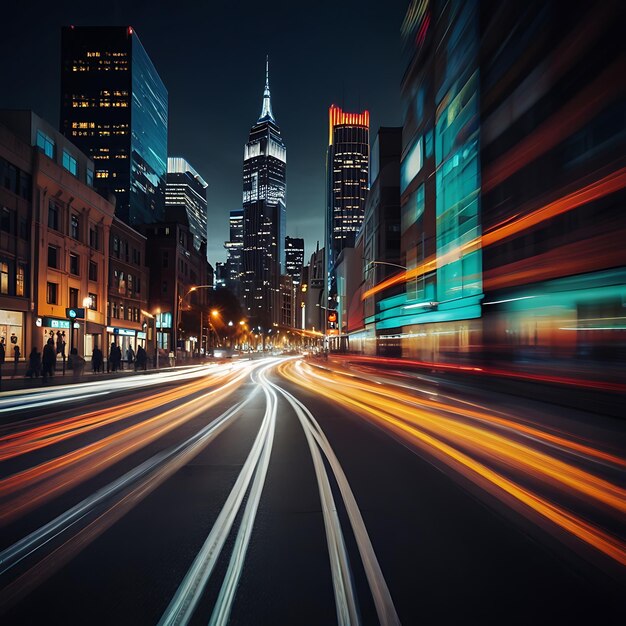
(264, 215)
(114, 108)
(347, 173)
(234, 246)
(127, 322)
(186, 191)
(177, 270)
(68, 237)
(294, 258)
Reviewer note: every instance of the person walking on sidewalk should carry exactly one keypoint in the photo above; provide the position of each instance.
(97, 359)
(16, 358)
(34, 363)
(130, 356)
(142, 359)
(48, 359)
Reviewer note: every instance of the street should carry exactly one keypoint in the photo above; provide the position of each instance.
(308, 491)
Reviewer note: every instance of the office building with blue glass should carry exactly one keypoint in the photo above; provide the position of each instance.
(114, 108)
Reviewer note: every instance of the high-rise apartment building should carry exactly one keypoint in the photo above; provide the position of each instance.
(234, 262)
(186, 191)
(294, 258)
(264, 211)
(347, 179)
(114, 108)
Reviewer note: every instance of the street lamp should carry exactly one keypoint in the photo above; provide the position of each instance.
(181, 299)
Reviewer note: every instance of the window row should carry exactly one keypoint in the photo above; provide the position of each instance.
(9, 223)
(74, 267)
(55, 221)
(74, 300)
(117, 310)
(120, 250)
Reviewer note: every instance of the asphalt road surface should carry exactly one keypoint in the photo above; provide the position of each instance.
(293, 491)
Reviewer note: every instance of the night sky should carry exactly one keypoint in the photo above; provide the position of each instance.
(211, 57)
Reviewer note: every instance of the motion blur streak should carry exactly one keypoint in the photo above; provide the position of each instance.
(119, 497)
(25, 490)
(471, 450)
(182, 606)
(37, 437)
(598, 189)
(493, 371)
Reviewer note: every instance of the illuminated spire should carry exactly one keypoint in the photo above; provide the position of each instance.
(266, 112)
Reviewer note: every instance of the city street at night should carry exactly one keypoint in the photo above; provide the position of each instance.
(308, 491)
(313, 314)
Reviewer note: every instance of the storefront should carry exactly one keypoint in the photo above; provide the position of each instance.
(56, 329)
(124, 338)
(12, 332)
(93, 338)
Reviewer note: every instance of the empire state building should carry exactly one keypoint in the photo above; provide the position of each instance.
(264, 214)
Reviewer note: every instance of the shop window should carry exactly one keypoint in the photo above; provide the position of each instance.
(93, 271)
(53, 257)
(52, 293)
(74, 264)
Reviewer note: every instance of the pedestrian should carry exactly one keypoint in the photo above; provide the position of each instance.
(16, 358)
(172, 358)
(76, 363)
(2, 352)
(118, 357)
(34, 363)
(48, 359)
(97, 359)
(142, 359)
(130, 356)
(112, 355)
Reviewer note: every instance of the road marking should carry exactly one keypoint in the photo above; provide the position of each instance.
(385, 608)
(190, 590)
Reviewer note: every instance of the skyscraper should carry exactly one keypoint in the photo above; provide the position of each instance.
(347, 179)
(186, 190)
(114, 108)
(234, 263)
(294, 258)
(264, 188)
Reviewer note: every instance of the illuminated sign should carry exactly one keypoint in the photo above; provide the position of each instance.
(50, 322)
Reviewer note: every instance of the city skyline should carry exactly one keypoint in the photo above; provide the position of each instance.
(209, 118)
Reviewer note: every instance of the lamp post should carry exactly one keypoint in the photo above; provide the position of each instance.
(181, 299)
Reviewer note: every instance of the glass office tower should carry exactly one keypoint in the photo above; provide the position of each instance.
(114, 108)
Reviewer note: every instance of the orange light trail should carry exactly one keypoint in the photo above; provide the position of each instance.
(27, 489)
(477, 448)
(598, 189)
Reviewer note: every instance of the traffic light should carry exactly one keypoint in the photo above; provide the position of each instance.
(75, 313)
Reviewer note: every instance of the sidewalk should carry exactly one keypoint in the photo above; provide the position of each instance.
(11, 381)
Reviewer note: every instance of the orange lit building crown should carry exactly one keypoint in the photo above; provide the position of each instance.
(336, 117)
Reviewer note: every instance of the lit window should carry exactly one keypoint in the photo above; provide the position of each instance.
(70, 163)
(45, 143)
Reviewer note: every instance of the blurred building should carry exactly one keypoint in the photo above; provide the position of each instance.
(234, 246)
(264, 215)
(382, 223)
(114, 108)
(512, 184)
(186, 191)
(314, 313)
(128, 288)
(54, 239)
